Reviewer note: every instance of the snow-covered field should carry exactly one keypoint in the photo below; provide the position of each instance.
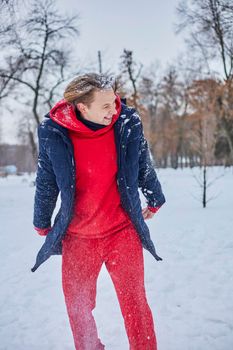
(190, 291)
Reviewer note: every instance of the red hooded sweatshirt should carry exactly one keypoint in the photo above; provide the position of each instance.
(97, 210)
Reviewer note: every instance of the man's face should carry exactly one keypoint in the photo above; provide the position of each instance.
(101, 109)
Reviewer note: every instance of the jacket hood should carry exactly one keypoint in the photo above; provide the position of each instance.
(64, 114)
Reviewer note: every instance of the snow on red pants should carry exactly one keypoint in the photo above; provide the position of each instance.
(81, 263)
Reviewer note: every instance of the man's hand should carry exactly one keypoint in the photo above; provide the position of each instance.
(149, 212)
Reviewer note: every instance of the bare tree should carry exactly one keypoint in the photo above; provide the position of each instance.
(210, 26)
(149, 96)
(168, 128)
(7, 4)
(202, 96)
(38, 55)
(224, 112)
(132, 70)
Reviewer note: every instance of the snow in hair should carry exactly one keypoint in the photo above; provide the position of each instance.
(105, 81)
(93, 80)
(81, 88)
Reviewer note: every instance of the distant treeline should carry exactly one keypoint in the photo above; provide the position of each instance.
(188, 124)
(18, 155)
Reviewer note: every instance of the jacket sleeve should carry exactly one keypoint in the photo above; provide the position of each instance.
(147, 178)
(46, 187)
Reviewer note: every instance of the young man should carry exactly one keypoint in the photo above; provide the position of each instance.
(92, 150)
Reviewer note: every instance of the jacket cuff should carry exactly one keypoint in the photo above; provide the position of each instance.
(153, 209)
(42, 231)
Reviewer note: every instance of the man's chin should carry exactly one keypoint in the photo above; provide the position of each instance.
(107, 120)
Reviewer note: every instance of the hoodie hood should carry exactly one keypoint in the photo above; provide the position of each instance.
(64, 114)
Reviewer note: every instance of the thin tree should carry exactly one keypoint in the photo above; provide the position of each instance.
(132, 70)
(149, 95)
(202, 97)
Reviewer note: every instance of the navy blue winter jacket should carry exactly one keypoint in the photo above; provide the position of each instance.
(56, 174)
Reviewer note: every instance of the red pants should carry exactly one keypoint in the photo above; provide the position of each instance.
(81, 263)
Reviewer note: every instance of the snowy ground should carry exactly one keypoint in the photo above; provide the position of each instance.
(190, 291)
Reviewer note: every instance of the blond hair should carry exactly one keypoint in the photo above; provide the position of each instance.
(82, 88)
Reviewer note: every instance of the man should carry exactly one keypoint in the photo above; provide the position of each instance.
(92, 150)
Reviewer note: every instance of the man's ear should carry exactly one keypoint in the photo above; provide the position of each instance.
(81, 107)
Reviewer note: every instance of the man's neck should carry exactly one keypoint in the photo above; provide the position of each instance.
(91, 125)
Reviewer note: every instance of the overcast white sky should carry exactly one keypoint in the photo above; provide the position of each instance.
(146, 27)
